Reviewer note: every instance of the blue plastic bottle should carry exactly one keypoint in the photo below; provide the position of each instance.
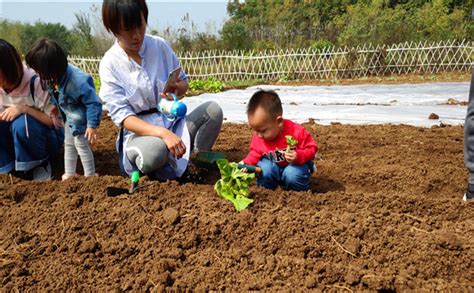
(172, 109)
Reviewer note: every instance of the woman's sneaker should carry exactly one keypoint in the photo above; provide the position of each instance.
(42, 172)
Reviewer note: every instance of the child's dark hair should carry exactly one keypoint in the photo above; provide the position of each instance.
(10, 64)
(123, 14)
(48, 59)
(268, 100)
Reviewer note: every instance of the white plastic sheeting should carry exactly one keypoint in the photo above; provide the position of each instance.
(353, 104)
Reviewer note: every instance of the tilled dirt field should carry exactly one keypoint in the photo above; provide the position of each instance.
(384, 213)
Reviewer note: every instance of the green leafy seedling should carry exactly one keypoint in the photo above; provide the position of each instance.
(290, 142)
(234, 184)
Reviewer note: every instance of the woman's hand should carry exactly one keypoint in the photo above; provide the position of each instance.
(178, 88)
(290, 156)
(11, 113)
(175, 145)
(91, 135)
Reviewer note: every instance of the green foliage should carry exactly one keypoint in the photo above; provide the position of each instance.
(82, 38)
(210, 85)
(322, 44)
(97, 84)
(320, 24)
(242, 84)
(76, 41)
(235, 35)
(12, 32)
(435, 22)
(234, 184)
(290, 142)
(54, 31)
(264, 25)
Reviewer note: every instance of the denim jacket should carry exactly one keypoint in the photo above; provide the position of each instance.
(78, 100)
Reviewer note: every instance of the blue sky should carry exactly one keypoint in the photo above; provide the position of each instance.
(161, 13)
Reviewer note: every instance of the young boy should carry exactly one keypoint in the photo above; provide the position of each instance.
(77, 99)
(268, 148)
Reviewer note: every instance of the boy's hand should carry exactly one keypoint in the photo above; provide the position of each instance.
(290, 156)
(244, 170)
(91, 135)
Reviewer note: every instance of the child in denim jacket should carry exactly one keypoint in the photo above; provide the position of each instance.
(77, 99)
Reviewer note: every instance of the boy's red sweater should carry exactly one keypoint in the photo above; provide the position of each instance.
(305, 149)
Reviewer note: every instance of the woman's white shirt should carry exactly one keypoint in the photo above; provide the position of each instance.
(128, 88)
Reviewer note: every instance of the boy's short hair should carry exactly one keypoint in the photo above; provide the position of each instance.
(268, 100)
(10, 63)
(48, 59)
(123, 14)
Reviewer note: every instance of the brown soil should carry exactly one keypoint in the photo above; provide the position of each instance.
(384, 213)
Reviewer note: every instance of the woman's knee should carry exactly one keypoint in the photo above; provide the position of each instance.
(148, 153)
(214, 111)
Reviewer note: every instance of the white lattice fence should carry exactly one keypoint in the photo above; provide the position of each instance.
(334, 63)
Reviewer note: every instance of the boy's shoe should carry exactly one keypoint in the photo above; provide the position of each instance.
(42, 172)
(469, 195)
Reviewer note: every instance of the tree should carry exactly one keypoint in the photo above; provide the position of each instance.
(435, 22)
(11, 32)
(84, 44)
(235, 36)
(54, 31)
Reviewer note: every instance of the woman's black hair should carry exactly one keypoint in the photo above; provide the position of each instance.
(10, 64)
(123, 14)
(48, 59)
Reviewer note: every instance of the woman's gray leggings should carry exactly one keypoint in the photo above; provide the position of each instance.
(150, 153)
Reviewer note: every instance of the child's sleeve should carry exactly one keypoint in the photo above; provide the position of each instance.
(92, 103)
(254, 154)
(307, 148)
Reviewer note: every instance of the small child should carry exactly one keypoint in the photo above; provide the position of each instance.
(77, 99)
(268, 148)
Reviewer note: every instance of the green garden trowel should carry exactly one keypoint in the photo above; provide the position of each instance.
(209, 160)
(116, 191)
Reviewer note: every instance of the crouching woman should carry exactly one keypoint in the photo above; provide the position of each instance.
(31, 127)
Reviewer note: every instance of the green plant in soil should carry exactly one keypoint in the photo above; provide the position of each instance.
(211, 85)
(234, 184)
